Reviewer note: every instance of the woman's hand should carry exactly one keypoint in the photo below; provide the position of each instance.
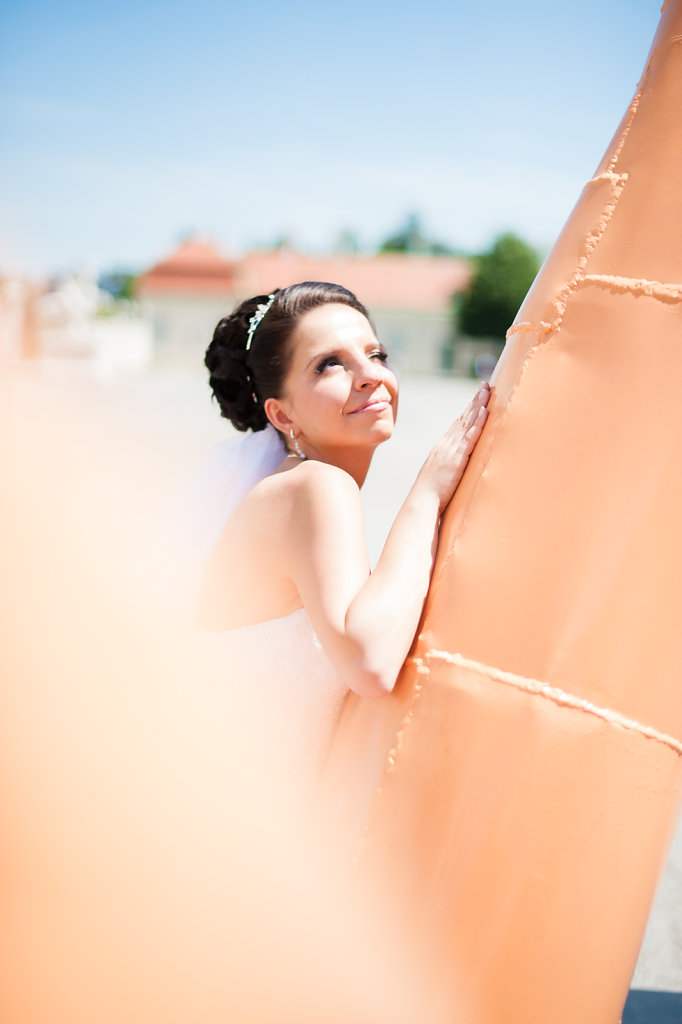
(445, 465)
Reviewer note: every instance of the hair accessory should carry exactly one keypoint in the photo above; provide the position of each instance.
(257, 317)
(294, 440)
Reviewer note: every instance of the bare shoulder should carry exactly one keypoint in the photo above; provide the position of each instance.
(321, 491)
(318, 481)
(303, 495)
(318, 495)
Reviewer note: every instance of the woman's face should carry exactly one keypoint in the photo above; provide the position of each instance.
(338, 391)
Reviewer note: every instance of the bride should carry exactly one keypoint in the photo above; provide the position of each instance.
(287, 586)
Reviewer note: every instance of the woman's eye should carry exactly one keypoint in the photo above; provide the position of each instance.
(327, 361)
(379, 354)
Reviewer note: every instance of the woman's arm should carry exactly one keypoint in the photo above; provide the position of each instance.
(366, 622)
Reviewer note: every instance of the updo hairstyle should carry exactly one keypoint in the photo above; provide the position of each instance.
(241, 381)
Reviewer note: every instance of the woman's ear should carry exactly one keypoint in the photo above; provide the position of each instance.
(275, 410)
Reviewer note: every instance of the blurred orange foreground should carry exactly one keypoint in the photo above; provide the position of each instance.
(523, 783)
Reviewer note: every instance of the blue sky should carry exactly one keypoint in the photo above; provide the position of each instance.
(123, 128)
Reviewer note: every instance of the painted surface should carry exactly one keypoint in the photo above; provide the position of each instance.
(525, 777)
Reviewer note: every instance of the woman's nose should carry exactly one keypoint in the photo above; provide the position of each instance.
(371, 372)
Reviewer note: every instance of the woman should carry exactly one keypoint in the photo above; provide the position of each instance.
(303, 368)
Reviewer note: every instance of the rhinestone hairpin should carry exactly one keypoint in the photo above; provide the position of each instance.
(257, 317)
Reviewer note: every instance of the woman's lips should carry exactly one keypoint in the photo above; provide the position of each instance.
(374, 405)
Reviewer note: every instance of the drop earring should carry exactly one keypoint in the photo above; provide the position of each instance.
(297, 447)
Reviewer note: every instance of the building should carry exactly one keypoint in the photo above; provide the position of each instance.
(408, 295)
(185, 295)
(75, 320)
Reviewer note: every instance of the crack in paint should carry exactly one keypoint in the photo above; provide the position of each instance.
(527, 326)
(632, 113)
(590, 243)
(557, 696)
(618, 182)
(637, 286)
(422, 670)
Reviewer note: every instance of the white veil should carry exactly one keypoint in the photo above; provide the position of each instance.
(201, 506)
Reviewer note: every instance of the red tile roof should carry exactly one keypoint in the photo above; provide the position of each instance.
(390, 281)
(395, 281)
(194, 267)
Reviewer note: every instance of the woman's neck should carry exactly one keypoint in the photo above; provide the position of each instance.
(355, 462)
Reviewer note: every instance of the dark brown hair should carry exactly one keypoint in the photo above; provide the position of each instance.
(241, 381)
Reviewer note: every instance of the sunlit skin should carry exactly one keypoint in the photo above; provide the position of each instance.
(297, 540)
(340, 395)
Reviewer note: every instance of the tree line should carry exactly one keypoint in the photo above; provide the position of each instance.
(501, 278)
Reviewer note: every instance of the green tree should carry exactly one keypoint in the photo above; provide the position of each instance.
(501, 279)
(119, 283)
(411, 238)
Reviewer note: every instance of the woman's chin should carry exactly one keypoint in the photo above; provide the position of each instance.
(382, 431)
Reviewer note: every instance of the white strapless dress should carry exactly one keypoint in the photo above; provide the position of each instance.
(273, 678)
(280, 679)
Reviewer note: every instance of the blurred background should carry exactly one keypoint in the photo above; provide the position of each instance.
(163, 161)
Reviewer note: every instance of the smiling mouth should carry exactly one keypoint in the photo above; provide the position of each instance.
(376, 402)
(376, 405)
